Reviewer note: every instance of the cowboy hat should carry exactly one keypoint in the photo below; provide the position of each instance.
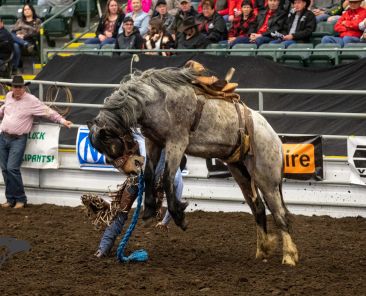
(187, 23)
(19, 81)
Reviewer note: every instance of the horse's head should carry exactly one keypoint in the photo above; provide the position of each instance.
(118, 146)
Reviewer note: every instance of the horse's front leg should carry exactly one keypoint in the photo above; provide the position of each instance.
(152, 158)
(174, 153)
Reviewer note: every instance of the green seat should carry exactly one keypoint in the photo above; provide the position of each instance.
(220, 46)
(294, 54)
(10, 13)
(42, 10)
(60, 26)
(272, 54)
(92, 49)
(81, 11)
(248, 49)
(348, 56)
(13, 2)
(328, 56)
(322, 29)
(107, 53)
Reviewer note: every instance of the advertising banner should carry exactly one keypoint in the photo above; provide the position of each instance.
(41, 151)
(356, 151)
(89, 158)
(303, 159)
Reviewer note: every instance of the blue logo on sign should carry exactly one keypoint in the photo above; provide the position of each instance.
(85, 151)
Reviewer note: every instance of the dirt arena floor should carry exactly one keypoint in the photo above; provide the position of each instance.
(215, 256)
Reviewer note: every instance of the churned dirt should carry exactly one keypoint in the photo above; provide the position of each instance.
(215, 256)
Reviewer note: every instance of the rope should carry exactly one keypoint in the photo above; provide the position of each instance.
(139, 255)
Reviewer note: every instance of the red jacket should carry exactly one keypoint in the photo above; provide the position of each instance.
(351, 18)
(257, 5)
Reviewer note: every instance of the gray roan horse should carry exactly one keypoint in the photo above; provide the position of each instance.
(163, 103)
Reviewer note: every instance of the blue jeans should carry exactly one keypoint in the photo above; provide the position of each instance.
(11, 157)
(339, 40)
(112, 231)
(97, 41)
(322, 18)
(261, 40)
(240, 40)
(286, 43)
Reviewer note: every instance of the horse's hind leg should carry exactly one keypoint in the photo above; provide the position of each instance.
(274, 200)
(265, 243)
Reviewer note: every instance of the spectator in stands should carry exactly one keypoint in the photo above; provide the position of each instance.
(243, 25)
(17, 115)
(322, 8)
(108, 25)
(221, 6)
(212, 25)
(171, 5)
(140, 18)
(185, 10)
(348, 25)
(299, 25)
(130, 38)
(191, 37)
(158, 38)
(164, 16)
(145, 6)
(335, 13)
(235, 8)
(6, 47)
(25, 32)
(269, 21)
(362, 26)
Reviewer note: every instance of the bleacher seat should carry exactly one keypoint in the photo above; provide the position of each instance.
(348, 56)
(217, 46)
(107, 53)
(60, 26)
(250, 49)
(272, 55)
(92, 49)
(81, 11)
(13, 2)
(300, 57)
(42, 11)
(322, 29)
(327, 57)
(10, 13)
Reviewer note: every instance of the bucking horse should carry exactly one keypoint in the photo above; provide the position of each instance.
(185, 110)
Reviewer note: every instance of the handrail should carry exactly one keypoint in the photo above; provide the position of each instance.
(89, 29)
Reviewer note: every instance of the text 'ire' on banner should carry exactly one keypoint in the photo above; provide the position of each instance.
(41, 151)
(89, 158)
(356, 152)
(302, 157)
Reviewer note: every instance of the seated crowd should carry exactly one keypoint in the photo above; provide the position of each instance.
(175, 24)
(171, 24)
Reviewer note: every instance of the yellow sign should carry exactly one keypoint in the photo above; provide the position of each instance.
(299, 158)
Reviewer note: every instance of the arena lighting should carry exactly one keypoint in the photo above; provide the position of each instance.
(135, 58)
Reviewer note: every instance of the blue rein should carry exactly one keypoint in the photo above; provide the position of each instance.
(139, 255)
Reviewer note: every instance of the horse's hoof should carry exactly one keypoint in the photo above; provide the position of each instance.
(148, 214)
(184, 225)
(288, 260)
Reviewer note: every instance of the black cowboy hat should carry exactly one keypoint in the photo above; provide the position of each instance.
(306, 1)
(19, 81)
(187, 23)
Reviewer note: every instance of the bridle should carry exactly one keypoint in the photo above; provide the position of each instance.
(130, 150)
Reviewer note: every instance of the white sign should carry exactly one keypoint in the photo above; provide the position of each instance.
(356, 150)
(41, 151)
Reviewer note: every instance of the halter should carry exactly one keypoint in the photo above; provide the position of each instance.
(120, 162)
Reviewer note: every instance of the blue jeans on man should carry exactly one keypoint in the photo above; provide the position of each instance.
(11, 157)
(97, 41)
(115, 228)
(339, 40)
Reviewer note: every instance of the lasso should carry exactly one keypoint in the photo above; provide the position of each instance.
(139, 255)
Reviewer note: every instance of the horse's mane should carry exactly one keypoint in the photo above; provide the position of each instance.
(123, 106)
